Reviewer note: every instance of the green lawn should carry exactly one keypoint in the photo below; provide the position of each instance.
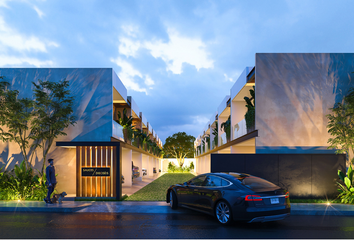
(156, 190)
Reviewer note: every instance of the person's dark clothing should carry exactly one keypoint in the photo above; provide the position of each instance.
(50, 191)
(50, 172)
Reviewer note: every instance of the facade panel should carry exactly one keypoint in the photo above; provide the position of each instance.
(293, 95)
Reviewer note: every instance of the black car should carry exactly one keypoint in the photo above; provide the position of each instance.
(232, 196)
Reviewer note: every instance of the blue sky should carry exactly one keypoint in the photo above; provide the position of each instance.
(178, 59)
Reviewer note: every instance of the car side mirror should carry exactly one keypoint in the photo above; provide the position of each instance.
(185, 184)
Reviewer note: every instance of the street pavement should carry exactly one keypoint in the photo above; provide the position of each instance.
(155, 207)
(189, 225)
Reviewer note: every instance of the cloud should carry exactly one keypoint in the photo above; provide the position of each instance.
(174, 53)
(14, 47)
(6, 60)
(128, 47)
(149, 81)
(227, 78)
(39, 12)
(130, 30)
(10, 38)
(3, 3)
(193, 128)
(128, 76)
(180, 50)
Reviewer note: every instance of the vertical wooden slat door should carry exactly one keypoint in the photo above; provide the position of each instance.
(108, 159)
(96, 157)
(99, 180)
(104, 179)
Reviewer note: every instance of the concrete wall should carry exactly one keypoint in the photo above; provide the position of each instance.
(293, 95)
(92, 89)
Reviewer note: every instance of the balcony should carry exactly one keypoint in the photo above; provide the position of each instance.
(117, 131)
(240, 129)
(223, 139)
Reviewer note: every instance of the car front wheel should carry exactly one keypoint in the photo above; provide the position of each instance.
(223, 213)
(173, 200)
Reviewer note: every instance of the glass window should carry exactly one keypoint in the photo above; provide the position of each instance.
(224, 182)
(212, 181)
(198, 181)
(256, 183)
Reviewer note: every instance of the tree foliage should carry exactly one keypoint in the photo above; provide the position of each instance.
(250, 115)
(179, 146)
(341, 126)
(35, 123)
(53, 110)
(16, 115)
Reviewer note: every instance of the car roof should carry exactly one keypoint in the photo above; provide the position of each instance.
(231, 175)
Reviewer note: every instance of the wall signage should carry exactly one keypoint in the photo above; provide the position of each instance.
(95, 172)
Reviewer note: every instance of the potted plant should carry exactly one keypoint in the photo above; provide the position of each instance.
(215, 133)
(126, 123)
(226, 127)
(250, 115)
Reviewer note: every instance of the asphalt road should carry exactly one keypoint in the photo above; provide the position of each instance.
(187, 225)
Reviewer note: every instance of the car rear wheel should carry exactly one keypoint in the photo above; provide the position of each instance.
(223, 213)
(173, 200)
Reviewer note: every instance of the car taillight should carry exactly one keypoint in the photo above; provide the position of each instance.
(286, 194)
(253, 198)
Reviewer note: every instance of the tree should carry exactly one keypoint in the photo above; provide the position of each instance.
(341, 126)
(54, 112)
(179, 145)
(16, 115)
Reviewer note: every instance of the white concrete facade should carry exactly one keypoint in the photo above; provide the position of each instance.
(293, 93)
(98, 95)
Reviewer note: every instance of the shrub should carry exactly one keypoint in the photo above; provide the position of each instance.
(347, 190)
(191, 166)
(173, 169)
(22, 184)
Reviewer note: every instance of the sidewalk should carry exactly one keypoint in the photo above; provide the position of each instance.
(155, 207)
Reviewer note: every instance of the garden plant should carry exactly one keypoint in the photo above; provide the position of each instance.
(22, 183)
(346, 190)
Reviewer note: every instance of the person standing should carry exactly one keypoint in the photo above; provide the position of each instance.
(51, 180)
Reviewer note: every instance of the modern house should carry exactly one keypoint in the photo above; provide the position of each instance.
(91, 159)
(293, 95)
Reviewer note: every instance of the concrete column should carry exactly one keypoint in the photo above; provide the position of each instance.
(127, 166)
(208, 162)
(138, 161)
(203, 165)
(150, 167)
(154, 163)
(145, 161)
(196, 165)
